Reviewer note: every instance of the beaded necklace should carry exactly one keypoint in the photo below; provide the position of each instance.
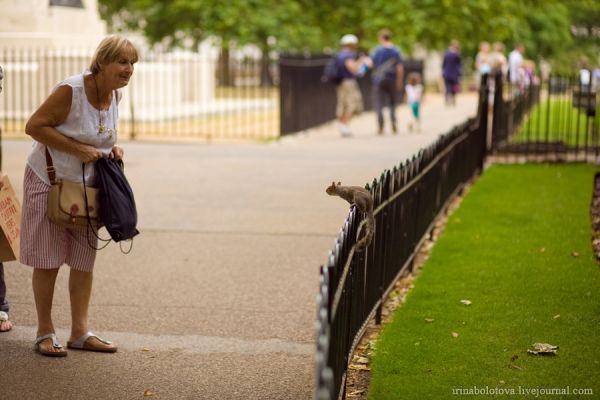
(101, 127)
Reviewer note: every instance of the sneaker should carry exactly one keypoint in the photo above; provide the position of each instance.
(380, 131)
(344, 130)
(394, 128)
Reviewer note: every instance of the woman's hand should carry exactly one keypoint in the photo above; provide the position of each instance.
(87, 153)
(116, 153)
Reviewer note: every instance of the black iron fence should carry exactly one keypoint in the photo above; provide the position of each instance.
(187, 95)
(554, 119)
(306, 101)
(408, 198)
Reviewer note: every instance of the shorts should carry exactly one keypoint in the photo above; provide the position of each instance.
(349, 99)
(45, 245)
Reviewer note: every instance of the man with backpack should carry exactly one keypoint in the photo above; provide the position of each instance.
(388, 76)
(349, 98)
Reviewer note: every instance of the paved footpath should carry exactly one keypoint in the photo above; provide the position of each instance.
(218, 297)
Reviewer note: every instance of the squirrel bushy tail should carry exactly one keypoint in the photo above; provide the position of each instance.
(370, 232)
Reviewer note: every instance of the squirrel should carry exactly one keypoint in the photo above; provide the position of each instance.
(362, 199)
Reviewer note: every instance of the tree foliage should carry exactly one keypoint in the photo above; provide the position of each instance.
(544, 26)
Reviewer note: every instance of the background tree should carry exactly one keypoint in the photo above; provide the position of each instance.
(550, 29)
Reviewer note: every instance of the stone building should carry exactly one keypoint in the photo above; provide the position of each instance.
(50, 24)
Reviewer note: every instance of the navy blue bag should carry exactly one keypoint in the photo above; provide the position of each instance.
(115, 200)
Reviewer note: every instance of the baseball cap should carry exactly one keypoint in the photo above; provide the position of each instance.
(348, 39)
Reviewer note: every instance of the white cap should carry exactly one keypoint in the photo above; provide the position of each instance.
(348, 39)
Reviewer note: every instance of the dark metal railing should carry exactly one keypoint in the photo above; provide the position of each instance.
(550, 120)
(407, 200)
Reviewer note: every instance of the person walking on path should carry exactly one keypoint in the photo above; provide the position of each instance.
(388, 77)
(349, 98)
(515, 69)
(76, 124)
(482, 62)
(5, 324)
(452, 72)
(414, 97)
(498, 62)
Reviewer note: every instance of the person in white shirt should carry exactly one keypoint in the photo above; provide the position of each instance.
(515, 63)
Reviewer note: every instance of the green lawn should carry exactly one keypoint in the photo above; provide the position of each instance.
(556, 120)
(508, 249)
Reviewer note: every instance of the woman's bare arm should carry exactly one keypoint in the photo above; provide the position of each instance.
(53, 112)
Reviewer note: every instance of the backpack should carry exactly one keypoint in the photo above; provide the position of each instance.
(117, 205)
(332, 72)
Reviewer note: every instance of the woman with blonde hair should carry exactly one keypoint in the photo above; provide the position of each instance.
(76, 124)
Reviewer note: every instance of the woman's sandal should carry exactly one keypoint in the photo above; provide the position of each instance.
(82, 344)
(4, 318)
(55, 345)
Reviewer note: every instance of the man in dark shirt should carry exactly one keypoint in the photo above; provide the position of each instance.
(387, 77)
(452, 71)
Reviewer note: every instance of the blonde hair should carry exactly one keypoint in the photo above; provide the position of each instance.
(109, 50)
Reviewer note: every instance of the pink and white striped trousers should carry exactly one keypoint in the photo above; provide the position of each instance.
(44, 244)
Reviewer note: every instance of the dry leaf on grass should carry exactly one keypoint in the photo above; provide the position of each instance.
(466, 302)
(454, 334)
(356, 393)
(543, 249)
(360, 360)
(359, 367)
(429, 320)
(513, 366)
(556, 316)
(575, 254)
(543, 349)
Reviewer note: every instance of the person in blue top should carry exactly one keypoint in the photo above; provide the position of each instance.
(349, 98)
(452, 71)
(388, 76)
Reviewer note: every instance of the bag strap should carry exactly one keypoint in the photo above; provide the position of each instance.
(50, 167)
(381, 70)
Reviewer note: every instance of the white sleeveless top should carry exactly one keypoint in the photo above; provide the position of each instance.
(82, 124)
